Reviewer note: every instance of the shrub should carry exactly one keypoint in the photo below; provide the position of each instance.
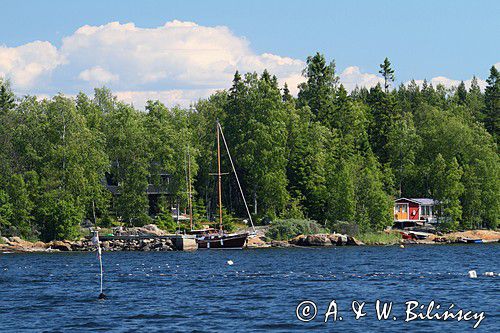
(166, 222)
(380, 238)
(344, 227)
(290, 228)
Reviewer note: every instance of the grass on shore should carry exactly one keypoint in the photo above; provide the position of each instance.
(380, 238)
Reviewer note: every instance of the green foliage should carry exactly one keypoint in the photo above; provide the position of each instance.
(380, 238)
(6, 212)
(165, 221)
(290, 228)
(293, 210)
(7, 97)
(228, 221)
(317, 92)
(22, 207)
(492, 103)
(327, 155)
(58, 216)
(387, 72)
(255, 127)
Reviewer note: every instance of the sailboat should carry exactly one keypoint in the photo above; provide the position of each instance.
(213, 238)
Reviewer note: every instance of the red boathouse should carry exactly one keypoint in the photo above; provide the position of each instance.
(409, 211)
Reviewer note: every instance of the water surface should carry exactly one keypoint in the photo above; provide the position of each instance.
(199, 291)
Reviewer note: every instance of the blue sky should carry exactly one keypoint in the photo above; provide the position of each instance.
(447, 40)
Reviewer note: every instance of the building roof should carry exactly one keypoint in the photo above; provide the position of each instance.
(424, 201)
(420, 201)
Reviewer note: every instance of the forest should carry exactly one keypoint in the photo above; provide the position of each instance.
(327, 155)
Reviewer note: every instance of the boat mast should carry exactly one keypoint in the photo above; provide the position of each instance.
(219, 176)
(190, 195)
(236, 175)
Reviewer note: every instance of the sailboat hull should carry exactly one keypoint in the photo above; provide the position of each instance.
(222, 242)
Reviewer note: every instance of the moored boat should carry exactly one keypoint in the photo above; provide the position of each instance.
(224, 241)
(212, 238)
(473, 240)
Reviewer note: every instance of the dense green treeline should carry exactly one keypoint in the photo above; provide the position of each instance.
(327, 154)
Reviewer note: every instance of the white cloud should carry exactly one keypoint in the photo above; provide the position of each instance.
(178, 56)
(27, 63)
(176, 63)
(175, 54)
(97, 74)
(352, 77)
(168, 97)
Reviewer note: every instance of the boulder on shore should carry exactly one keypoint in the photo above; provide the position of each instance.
(254, 242)
(317, 240)
(324, 240)
(354, 241)
(60, 245)
(150, 229)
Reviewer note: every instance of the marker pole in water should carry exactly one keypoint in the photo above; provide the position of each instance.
(97, 243)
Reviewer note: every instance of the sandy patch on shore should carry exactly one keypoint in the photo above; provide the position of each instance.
(488, 235)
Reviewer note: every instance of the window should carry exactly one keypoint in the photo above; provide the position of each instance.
(426, 210)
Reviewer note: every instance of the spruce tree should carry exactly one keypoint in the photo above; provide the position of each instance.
(492, 101)
(388, 73)
(461, 93)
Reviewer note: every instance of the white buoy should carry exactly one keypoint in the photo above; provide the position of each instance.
(230, 262)
(489, 274)
(402, 246)
(473, 274)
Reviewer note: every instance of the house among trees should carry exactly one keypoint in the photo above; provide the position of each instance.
(409, 211)
(156, 189)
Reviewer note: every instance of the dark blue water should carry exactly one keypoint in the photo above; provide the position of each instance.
(199, 291)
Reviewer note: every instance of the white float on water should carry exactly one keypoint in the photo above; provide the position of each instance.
(489, 274)
(473, 274)
(230, 262)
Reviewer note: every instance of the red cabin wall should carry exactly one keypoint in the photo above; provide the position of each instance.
(413, 207)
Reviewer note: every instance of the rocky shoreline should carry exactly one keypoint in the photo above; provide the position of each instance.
(15, 244)
(318, 240)
(156, 243)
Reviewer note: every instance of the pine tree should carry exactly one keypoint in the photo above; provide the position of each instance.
(388, 73)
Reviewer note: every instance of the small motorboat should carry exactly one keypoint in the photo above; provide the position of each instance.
(473, 240)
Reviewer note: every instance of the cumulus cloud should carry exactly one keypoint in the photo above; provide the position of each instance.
(27, 63)
(352, 77)
(176, 63)
(168, 97)
(97, 74)
(176, 54)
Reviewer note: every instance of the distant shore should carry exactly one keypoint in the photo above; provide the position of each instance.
(383, 238)
(153, 244)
